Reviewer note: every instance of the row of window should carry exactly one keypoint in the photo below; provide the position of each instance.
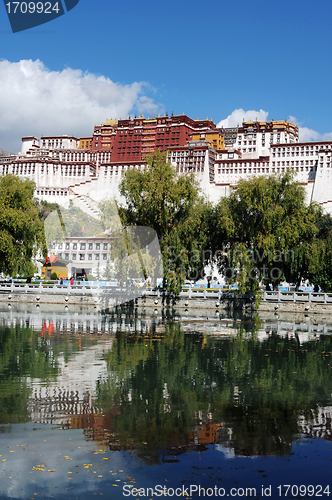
(190, 169)
(243, 170)
(133, 153)
(250, 136)
(82, 246)
(294, 162)
(259, 170)
(302, 148)
(21, 171)
(79, 156)
(287, 164)
(46, 192)
(146, 129)
(82, 256)
(186, 153)
(296, 153)
(250, 150)
(245, 164)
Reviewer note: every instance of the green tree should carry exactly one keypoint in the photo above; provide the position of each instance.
(133, 251)
(157, 197)
(266, 231)
(21, 230)
(321, 274)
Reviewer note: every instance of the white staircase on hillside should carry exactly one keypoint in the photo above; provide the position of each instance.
(83, 201)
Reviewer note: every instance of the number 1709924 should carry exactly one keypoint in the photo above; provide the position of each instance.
(33, 7)
(292, 490)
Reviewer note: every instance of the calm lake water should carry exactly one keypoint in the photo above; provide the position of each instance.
(140, 405)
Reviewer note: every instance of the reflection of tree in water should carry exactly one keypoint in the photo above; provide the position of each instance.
(173, 388)
(168, 392)
(22, 354)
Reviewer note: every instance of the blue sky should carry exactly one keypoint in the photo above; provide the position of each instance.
(206, 59)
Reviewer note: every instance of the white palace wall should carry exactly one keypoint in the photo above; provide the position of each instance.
(88, 177)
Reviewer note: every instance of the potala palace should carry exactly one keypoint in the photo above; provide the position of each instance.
(89, 169)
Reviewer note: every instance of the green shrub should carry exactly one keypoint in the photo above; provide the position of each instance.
(54, 276)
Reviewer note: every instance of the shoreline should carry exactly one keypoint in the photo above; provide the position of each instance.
(105, 302)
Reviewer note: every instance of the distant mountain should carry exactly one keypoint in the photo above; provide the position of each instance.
(4, 152)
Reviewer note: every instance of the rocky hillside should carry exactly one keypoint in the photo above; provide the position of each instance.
(4, 152)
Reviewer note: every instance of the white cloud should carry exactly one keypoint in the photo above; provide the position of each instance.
(307, 134)
(37, 101)
(238, 115)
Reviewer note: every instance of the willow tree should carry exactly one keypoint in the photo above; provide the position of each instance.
(21, 230)
(267, 232)
(159, 198)
(321, 274)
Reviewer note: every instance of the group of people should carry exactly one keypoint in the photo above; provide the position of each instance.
(72, 280)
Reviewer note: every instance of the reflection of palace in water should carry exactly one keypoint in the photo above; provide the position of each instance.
(57, 405)
(72, 392)
(206, 432)
(67, 409)
(319, 425)
(71, 322)
(68, 400)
